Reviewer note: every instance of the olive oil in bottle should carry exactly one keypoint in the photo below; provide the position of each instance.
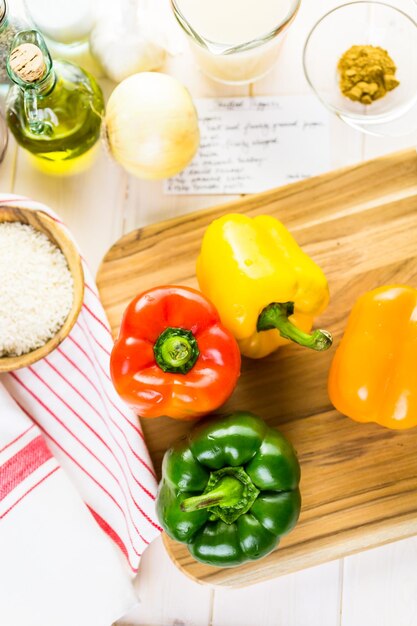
(54, 109)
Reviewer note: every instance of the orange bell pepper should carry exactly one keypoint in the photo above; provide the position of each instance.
(373, 376)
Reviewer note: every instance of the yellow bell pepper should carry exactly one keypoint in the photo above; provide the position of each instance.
(266, 289)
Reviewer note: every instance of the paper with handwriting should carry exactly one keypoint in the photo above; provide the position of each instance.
(250, 145)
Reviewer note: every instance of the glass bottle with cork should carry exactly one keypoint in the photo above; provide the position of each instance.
(55, 108)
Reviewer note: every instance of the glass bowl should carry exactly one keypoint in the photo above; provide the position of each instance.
(365, 23)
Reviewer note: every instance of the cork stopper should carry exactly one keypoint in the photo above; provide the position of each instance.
(27, 62)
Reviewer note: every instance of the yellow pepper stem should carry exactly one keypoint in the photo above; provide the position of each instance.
(276, 315)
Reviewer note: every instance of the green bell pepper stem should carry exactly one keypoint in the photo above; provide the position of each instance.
(176, 350)
(228, 492)
(276, 315)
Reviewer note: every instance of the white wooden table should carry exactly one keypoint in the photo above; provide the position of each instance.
(374, 588)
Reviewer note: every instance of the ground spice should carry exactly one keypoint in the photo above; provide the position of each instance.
(367, 73)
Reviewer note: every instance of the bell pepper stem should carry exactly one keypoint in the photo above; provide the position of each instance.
(227, 492)
(276, 315)
(176, 350)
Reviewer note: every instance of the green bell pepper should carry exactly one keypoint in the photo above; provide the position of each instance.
(229, 489)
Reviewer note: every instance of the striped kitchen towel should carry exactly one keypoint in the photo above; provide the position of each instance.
(57, 568)
(72, 407)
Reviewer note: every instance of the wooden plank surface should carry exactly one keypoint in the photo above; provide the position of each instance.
(310, 597)
(390, 594)
(383, 592)
(360, 225)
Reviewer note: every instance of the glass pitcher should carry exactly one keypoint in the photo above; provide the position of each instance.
(235, 41)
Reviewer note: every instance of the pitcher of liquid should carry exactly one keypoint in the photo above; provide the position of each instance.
(235, 41)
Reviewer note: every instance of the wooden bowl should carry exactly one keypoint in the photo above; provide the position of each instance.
(45, 224)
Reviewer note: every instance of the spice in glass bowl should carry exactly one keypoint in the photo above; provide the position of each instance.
(367, 73)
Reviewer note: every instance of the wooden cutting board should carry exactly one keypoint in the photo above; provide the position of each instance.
(359, 482)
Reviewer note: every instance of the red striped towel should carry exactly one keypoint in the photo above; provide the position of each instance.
(87, 428)
(56, 566)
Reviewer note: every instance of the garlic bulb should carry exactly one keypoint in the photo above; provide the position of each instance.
(152, 125)
(122, 41)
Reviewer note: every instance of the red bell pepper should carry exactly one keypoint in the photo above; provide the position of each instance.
(173, 357)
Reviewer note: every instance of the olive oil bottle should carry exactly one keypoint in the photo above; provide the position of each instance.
(54, 109)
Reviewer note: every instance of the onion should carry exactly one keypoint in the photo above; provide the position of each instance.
(152, 125)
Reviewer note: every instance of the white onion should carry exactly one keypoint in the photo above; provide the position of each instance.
(152, 125)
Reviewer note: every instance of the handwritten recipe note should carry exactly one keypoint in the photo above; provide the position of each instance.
(249, 145)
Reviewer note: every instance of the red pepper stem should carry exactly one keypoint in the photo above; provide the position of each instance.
(176, 350)
(275, 316)
(228, 492)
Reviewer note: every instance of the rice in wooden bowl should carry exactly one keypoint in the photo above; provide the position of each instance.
(41, 288)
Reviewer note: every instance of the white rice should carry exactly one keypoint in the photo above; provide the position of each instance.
(36, 289)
